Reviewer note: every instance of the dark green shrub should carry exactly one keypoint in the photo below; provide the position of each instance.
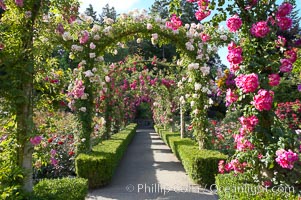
(99, 165)
(230, 186)
(61, 189)
(201, 165)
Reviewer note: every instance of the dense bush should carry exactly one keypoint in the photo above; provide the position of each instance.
(54, 156)
(61, 189)
(99, 165)
(201, 165)
(290, 113)
(230, 186)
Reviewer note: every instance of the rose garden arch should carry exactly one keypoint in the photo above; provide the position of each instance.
(194, 42)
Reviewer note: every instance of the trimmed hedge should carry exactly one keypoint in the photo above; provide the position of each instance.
(61, 189)
(230, 186)
(99, 165)
(200, 165)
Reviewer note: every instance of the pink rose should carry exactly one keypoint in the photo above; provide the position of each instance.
(248, 83)
(260, 29)
(19, 3)
(2, 5)
(286, 159)
(274, 79)
(234, 23)
(36, 140)
(248, 123)
(286, 65)
(284, 23)
(84, 38)
(284, 9)
(263, 100)
(231, 97)
(291, 55)
(205, 37)
(202, 14)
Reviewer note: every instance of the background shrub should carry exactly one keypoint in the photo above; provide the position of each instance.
(230, 186)
(61, 189)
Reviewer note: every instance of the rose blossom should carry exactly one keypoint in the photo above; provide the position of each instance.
(234, 23)
(36, 140)
(231, 97)
(284, 23)
(286, 65)
(286, 159)
(248, 83)
(260, 29)
(291, 55)
(263, 100)
(84, 38)
(248, 123)
(201, 14)
(274, 79)
(2, 5)
(19, 3)
(284, 9)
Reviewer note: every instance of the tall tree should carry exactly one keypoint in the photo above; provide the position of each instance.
(108, 12)
(90, 12)
(161, 8)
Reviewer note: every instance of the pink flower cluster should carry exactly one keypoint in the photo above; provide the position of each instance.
(19, 3)
(234, 54)
(248, 123)
(203, 10)
(234, 23)
(242, 144)
(260, 29)
(84, 37)
(175, 22)
(286, 65)
(233, 165)
(78, 90)
(287, 62)
(286, 159)
(167, 83)
(263, 100)
(248, 83)
(2, 5)
(274, 79)
(283, 21)
(36, 140)
(205, 37)
(231, 97)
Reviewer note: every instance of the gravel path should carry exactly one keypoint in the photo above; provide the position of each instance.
(149, 170)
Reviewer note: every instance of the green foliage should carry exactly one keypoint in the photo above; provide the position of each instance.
(230, 186)
(99, 165)
(61, 189)
(201, 165)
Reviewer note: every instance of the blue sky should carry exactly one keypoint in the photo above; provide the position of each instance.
(122, 6)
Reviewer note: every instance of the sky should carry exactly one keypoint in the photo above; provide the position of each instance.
(123, 6)
(120, 6)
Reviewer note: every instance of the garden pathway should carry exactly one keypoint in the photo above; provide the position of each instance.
(149, 170)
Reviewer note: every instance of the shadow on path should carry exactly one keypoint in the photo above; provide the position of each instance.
(149, 170)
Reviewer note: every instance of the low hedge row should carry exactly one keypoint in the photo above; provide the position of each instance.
(61, 189)
(230, 186)
(99, 165)
(201, 165)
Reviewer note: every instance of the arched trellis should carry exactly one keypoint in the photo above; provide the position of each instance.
(195, 43)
